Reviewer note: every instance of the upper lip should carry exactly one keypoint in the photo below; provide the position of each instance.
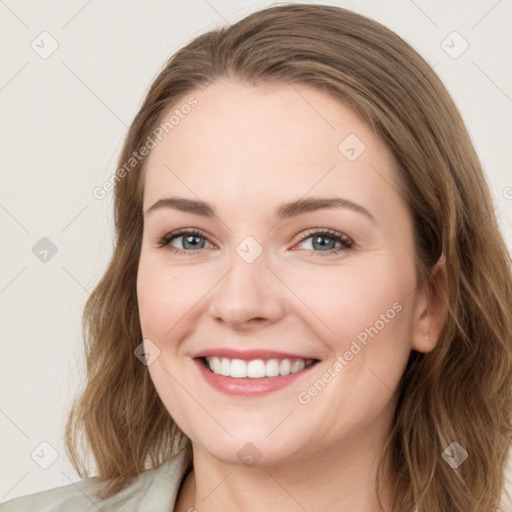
(249, 355)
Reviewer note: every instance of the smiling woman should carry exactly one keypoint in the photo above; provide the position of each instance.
(309, 302)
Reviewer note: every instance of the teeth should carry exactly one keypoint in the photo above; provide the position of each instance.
(297, 366)
(225, 367)
(238, 368)
(256, 368)
(285, 367)
(272, 368)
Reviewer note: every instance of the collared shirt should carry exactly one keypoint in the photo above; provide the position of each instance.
(154, 490)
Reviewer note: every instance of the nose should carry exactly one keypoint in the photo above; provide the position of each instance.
(248, 296)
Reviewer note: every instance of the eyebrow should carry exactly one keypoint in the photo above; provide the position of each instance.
(286, 210)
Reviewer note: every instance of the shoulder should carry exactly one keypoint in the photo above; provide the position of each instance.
(154, 489)
(65, 498)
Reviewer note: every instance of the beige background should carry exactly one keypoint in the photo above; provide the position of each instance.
(63, 119)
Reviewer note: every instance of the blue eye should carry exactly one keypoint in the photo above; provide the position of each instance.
(323, 241)
(190, 241)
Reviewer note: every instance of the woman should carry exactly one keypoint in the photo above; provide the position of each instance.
(309, 302)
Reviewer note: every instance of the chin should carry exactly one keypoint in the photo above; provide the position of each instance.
(252, 446)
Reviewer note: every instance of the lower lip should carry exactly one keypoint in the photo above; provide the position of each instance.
(246, 386)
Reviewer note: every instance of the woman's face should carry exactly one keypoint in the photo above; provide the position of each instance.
(280, 316)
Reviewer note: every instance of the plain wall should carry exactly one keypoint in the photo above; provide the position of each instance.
(63, 119)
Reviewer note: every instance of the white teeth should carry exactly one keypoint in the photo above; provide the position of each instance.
(225, 367)
(238, 368)
(285, 367)
(272, 369)
(216, 365)
(256, 368)
(297, 366)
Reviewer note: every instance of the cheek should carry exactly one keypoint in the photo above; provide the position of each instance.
(349, 301)
(368, 310)
(370, 314)
(376, 340)
(155, 298)
(164, 298)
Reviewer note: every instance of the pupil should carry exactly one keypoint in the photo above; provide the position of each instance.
(323, 244)
(189, 240)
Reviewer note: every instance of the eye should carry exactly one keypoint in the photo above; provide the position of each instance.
(191, 239)
(325, 241)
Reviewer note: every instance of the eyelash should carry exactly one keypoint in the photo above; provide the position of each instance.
(346, 242)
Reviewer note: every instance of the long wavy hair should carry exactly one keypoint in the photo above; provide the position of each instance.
(461, 391)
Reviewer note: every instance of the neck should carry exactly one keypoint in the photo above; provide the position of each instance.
(340, 478)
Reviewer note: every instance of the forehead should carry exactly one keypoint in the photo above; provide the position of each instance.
(249, 145)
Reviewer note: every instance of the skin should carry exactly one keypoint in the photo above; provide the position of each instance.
(246, 150)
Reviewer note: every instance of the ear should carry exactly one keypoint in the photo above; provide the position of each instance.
(430, 308)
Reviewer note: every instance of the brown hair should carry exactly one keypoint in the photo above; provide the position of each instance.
(462, 390)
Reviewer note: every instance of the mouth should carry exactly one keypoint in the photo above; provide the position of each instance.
(255, 368)
(251, 373)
